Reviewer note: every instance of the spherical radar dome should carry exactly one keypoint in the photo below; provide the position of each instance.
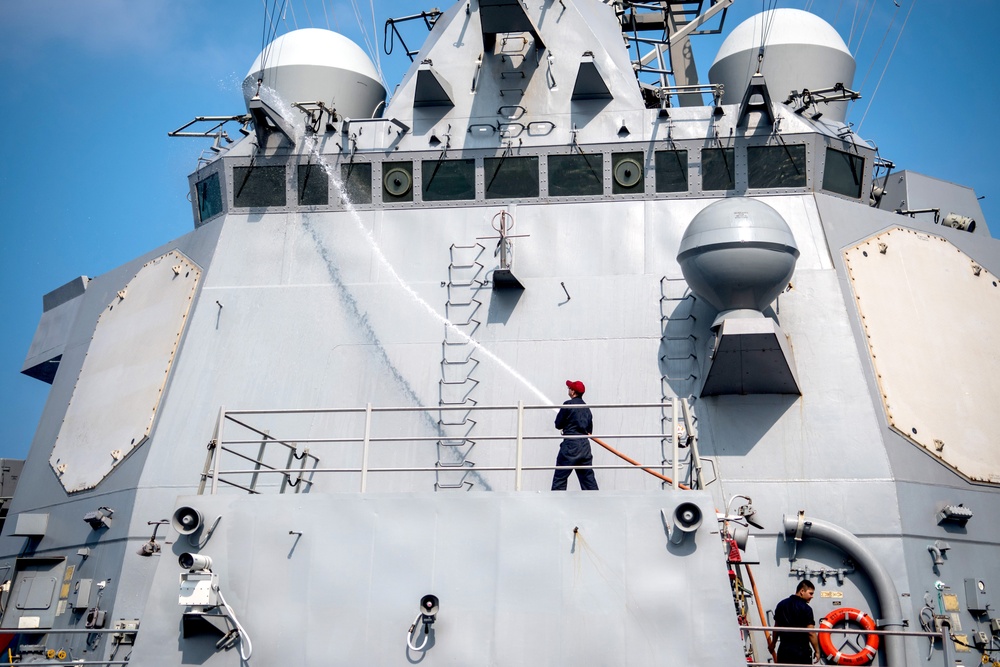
(314, 65)
(738, 254)
(802, 52)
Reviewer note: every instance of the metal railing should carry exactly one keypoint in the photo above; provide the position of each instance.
(237, 430)
(944, 636)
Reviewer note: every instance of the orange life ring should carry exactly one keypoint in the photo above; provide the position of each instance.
(865, 655)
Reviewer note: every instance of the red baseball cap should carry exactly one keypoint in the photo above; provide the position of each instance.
(576, 386)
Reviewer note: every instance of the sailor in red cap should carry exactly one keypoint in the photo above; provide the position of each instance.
(575, 451)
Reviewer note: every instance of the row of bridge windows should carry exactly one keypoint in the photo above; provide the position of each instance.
(519, 177)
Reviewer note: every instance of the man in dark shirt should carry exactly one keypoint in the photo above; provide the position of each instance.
(575, 451)
(795, 612)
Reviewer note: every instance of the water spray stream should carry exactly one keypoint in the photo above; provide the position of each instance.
(347, 298)
(310, 144)
(362, 319)
(427, 307)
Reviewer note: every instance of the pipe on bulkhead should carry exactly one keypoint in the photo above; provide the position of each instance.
(800, 527)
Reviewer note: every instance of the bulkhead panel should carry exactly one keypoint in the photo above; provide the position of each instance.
(925, 306)
(126, 368)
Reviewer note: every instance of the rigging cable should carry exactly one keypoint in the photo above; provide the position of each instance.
(269, 31)
(368, 42)
(264, 44)
(378, 57)
(361, 26)
(888, 60)
(878, 51)
(857, 47)
(854, 22)
(295, 21)
(274, 26)
(332, 11)
(274, 30)
(263, 29)
(306, 5)
(768, 7)
(326, 14)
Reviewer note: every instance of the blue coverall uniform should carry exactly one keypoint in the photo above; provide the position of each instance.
(794, 647)
(575, 451)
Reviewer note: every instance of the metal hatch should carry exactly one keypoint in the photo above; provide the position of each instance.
(37, 592)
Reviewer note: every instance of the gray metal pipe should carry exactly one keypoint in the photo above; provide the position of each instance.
(885, 589)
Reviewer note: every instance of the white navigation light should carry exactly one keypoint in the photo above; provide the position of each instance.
(962, 222)
(738, 254)
(314, 65)
(194, 562)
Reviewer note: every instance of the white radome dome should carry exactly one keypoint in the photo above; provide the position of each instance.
(738, 255)
(314, 65)
(802, 52)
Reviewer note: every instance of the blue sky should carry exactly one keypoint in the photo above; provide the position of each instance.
(90, 180)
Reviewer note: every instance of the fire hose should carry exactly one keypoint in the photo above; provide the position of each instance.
(637, 464)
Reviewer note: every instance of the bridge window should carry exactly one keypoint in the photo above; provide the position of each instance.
(209, 197)
(511, 177)
(671, 171)
(781, 166)
(356, 182)
(314, 185)
(718, 169)
(576, 175)
(449, 180)
(258, 186)
(843, 173)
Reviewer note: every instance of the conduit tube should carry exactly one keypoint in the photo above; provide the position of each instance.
(888, 598)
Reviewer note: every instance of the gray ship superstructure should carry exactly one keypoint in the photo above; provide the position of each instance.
(318, 429)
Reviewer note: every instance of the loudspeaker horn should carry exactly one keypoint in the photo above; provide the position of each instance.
(686, 519)
(187, 520)
(429, 605)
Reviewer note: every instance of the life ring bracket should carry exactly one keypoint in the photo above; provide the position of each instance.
(843, 615)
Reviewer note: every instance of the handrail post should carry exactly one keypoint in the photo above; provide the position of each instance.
(218, 449)
(673, 438)
(946, 647)
(519, 449)
(692, 434)
(364, 451)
